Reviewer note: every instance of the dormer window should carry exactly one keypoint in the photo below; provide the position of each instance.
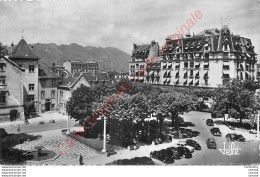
(31, 68)
(225, 47)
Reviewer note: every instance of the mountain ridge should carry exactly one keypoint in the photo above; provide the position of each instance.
(107, 57)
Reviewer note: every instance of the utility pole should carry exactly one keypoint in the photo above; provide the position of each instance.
(257, 124)
(68, 128)
(104, 135)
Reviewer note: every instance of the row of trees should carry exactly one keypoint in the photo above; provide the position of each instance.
(238, 98)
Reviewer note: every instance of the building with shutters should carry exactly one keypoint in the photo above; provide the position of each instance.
(207, 59)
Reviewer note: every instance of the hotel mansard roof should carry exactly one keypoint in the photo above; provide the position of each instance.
(216, 39)
(23, 51)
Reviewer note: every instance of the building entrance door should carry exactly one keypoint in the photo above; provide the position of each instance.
(47, 106)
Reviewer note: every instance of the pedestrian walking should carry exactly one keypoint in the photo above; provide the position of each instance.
(80, 159)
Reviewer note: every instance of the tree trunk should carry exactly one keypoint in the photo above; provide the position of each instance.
(173, 119)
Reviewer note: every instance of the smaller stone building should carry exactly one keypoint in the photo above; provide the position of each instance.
(11, 89)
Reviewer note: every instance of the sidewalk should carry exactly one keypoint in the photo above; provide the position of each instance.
(33, 126)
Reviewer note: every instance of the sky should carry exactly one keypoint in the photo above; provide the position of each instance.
(120, 23)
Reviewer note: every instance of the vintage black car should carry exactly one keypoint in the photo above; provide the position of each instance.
(176, 154)
(166, 156)
(193, 143)
(184, 152)
(215, 131)
(211, 143)
(186, 133)
(195, 133)
(234, 136)
(209, 122)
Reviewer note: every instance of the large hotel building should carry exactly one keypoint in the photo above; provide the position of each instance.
(207, 59)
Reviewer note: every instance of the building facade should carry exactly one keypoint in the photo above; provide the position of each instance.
(138, 63)
(81, 66)
(121, 75)
(25, 58)
(48, 91)
(67, 87)
(208, 59)
(11, 89)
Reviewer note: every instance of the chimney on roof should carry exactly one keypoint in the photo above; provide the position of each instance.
(12, 47)
(135, 46)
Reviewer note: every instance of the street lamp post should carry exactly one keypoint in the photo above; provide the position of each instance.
(257, 125)
(68, 128)
(104, 135)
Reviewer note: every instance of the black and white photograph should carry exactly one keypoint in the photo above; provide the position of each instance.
(129, 83)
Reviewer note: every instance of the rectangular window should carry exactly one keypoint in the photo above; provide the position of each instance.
(31, 68)
(31, 86)
(52, 106)
(53, 94)
(42, 94)
(31, 97)
(43, 82)
(53, 82)
(206, 66)
(61, 94)
(2, 67)
(207, 55)
(191, 72)
(177, 65)
(191, 64)
(206, 82)
(225, 76)
(2, 97)
(186, 65)
(2, 80)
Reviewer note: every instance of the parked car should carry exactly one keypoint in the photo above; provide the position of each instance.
(176, 154)
(215, 131)
(189, 133)
(234, 136)
(195, 133)
(186, 133)
(184, 152)
(209, 122)
(211, 143)
(183, 144)
(163, 155)
(193, 143)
